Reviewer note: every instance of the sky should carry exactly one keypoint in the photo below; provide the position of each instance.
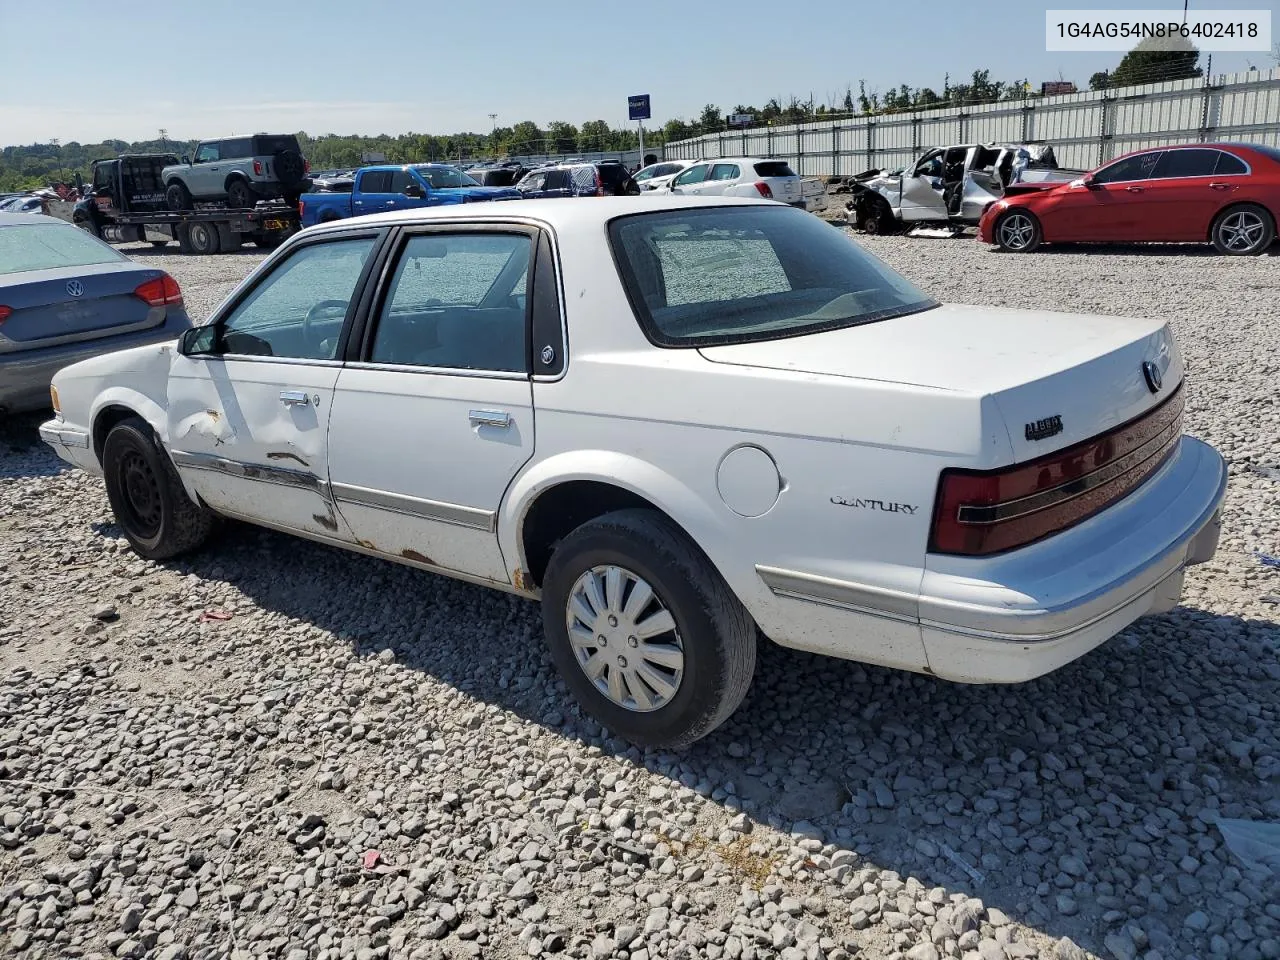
(203, 69)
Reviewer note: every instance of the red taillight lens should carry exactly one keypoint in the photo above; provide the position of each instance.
(306, 166)
(763, 189)
(160, 291)
(5, 313)
(979, 513)
(257, 168)
(302, 207)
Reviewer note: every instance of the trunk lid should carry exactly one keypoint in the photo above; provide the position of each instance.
(1085, 370)
(52, 307)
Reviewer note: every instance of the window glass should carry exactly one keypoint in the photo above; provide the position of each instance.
(297, 311)
(533, 182)
(584, 179)
(724, 171)
(375, 181)
(1185, 163)
(640, 176)
(692, 175)
(400, 179)
(43, 246)
(265, 146)
(102, 175)
(207, 153)
(1137, 167)
(774, 168)
(1228, 164)
(236, 149)
(442, 177)
(729, 276)
(457, 301)
(557, 180)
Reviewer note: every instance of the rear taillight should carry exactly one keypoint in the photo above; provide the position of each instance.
(160, 291)
(763, 189)
(257, 168)
(306, 166)
(302, 208)
(979, 513)
(5, 313)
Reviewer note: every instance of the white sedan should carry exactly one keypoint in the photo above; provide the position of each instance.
(753, 177)
(657, 176)
(680, 427)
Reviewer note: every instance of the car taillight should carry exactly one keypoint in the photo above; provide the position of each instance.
(980, 513)
(763, 189)
(160, 291)
(306, 166)
(302, 208)
(5, 313)
(257, 168)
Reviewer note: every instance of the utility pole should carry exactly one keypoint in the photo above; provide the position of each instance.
(493, 134)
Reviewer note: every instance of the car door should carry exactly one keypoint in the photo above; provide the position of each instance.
(433, 416)
(922, 190)
(1182, 196)
(372, 193)
(205, 177)
(559, 184)
(1109, 208)
(691, 179)
(249, 404)
(719, 179)
(406, 191)
(533, 184)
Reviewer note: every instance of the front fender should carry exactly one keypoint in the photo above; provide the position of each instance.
(640, 477)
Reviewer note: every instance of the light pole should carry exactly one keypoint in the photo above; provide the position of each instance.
(493, 134)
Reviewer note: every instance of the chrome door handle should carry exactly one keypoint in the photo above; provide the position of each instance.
(1220, 186)
(1135, 189)
(291, 397)
(391, 203)
(490, 418)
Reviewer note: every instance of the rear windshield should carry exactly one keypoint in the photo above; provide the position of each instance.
(612, 173)
(265, 146)
(774, 168)
(737, 275)
(41, 246)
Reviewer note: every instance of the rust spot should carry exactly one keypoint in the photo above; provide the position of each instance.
(214, 415)
(416, 557)
(327, 522)
(286, 455)
(523, 581)
(367, 544)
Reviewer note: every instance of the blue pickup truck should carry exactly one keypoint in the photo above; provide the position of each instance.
(391, 187)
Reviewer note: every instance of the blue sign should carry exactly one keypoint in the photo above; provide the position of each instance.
(638, 107)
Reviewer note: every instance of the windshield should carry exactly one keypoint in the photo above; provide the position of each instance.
(443, 177)
(41, 246)
(714, 276)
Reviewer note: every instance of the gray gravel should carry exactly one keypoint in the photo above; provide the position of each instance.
(274, 749)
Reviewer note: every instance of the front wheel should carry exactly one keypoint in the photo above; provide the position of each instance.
(1243, 231)
(146, 495)
(1018, 232)
(645, 632)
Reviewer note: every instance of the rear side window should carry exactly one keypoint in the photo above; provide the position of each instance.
(774, 168)
(1229, 164)
(237, 149)
(375, 181)
(43, 246)
(1185, 163)
(265, 146)
(557, 180)
(713, 276)
(724, 171)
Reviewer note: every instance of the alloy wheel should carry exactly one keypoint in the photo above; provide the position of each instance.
(1242, 230)
(1016, 231)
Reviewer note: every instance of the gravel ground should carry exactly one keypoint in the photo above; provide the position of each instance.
(275, 749)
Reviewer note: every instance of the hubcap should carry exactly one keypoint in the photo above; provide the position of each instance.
(1241, 231)
(141, 495)
(1016, 231)
(625, 639)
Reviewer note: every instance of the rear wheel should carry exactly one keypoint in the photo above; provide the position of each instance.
(202, 238)
(1243, 231)
(147, 496)
(240, 195)
(1018, 232)
(177, 196)
(645, 632)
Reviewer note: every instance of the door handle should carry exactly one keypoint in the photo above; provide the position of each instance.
(1135, 189)
(294, 397)
(391, 203)
(1220, 186)
(490, 418)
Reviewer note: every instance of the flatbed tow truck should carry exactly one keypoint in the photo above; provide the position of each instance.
(126, 204)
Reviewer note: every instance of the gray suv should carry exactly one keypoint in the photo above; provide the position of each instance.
(238, 170)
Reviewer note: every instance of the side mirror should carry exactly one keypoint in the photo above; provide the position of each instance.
(196, 341)
(1088, 181)
(413, 190)
(186, 159)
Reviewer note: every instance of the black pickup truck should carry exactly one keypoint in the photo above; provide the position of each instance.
(126, 203)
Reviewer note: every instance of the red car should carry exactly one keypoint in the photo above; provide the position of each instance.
(1227, 194)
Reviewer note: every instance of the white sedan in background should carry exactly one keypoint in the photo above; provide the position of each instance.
(725, 421)
(659, 175)
(754, 177)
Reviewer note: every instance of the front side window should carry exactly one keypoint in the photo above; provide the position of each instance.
(724, 171)
(1175, 164)
(442, 178)
(533, 182)
(457, 301)
(47, 246)
(1140, 166)
(297, 311)
(400, 180)
(703, 277)
(208, 153)
(692, 175)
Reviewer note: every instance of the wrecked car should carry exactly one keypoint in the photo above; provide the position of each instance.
(951, 186)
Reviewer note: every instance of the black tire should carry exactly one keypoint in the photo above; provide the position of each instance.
(1018, 231)
(1245, 230)
(177, 196)
(240, 195)
(288, 166)
(717, 635)
(203, 238)
(147, 496)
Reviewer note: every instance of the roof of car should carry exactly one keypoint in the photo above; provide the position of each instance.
(742, 160)
(13, 219)
(557, 212)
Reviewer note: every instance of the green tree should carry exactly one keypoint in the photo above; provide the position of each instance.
(527, 137)
(1143, 64)
(676, 129)
(710, 120)
(563, 137)
(595, 135)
